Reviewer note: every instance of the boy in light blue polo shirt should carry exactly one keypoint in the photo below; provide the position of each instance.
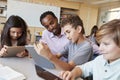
(106, 66)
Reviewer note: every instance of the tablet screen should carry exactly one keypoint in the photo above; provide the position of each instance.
(13, 50)
(38, 59)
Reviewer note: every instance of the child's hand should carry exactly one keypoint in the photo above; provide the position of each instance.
(67, 75)
(43, 49)
(3, 51)
(22, 54)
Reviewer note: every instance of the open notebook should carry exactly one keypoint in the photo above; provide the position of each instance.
(7, 73)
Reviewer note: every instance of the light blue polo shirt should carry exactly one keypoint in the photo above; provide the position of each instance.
(101, 69)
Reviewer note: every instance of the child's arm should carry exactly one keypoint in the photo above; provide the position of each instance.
(67, 75)
(43, 50)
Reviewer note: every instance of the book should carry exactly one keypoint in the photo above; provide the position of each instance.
(7, 73)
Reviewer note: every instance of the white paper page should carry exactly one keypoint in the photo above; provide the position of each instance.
(7, 73)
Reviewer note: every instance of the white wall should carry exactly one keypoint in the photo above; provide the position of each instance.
(105, 14)
(30, 12)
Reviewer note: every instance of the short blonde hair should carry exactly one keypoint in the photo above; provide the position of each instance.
(112, 29)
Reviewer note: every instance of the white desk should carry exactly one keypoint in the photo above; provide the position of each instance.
(24, 66)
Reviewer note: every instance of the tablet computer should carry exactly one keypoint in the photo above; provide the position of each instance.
(41, 72)
(38, 59)
(13, 50)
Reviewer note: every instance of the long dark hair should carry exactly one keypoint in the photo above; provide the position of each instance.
(94, 30)
(14, 22)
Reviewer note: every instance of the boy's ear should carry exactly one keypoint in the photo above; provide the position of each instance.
(79, 29)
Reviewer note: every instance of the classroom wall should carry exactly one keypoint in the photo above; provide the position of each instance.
(1, 27)
(60, 3)
(88, 13)
(3, 13)
(102, 18)
(30, 12)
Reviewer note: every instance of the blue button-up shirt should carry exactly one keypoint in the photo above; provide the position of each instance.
(101, 69)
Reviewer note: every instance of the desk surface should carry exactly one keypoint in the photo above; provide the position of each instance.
(24, 66)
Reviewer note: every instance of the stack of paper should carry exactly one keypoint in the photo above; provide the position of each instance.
(7, 73)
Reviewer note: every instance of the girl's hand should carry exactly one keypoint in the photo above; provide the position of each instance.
(3, 51)
(22, 54)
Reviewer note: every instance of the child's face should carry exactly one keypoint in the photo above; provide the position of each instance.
(71, 33)
(15, 33)
(109, 49)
